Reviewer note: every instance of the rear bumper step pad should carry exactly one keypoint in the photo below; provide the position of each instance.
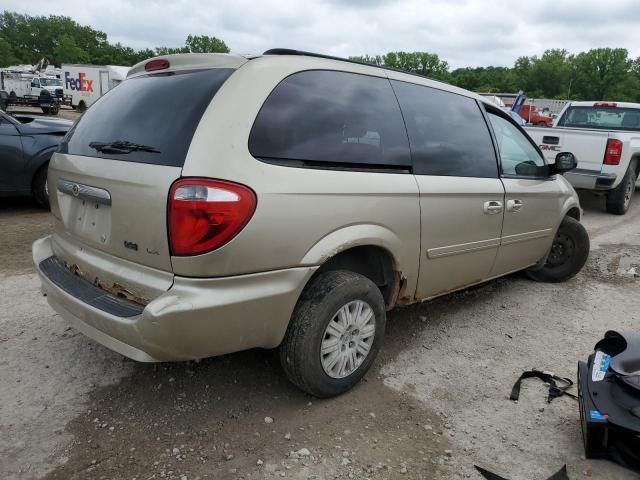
(85, 291)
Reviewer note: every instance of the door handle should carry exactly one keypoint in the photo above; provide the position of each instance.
(492, 207)
(514, 205)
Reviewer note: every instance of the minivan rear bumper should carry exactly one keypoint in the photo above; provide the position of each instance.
(196, 318)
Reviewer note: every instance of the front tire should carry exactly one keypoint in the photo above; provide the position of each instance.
(569, 253)
(39, 186)
(619, 199)
(335, 333)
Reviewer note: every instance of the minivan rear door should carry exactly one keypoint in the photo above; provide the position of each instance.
(110, 180)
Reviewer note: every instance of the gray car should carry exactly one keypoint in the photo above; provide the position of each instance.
(214, 203)
(26, 145)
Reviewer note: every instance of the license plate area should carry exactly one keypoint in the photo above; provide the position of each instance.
(86, 211)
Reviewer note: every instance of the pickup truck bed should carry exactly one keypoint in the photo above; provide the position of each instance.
(606, 144)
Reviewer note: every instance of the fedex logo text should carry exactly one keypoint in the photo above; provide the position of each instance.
(81, 83)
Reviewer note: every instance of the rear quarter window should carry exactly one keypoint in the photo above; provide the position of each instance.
(331, 119)
(161, 111)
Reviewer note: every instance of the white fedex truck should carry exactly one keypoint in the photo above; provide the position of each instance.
(84, 84)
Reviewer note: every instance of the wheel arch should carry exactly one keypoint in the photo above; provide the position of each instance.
(635, 162)
(369, 250)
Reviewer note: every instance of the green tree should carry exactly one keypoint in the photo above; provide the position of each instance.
(68, 52)
(421, 63)
(551, 73)
(6, 54)
(601, 72)
(377, 60)
(205, 44)
(26, 39)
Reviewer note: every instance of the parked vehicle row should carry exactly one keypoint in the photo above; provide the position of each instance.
(292, 200)
(605, 139)
(79, 86)
(26, 146)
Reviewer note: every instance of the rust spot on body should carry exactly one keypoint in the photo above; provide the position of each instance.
(398, 294)
(120, 291)
(115, 289)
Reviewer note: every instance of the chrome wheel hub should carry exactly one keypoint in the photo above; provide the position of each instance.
(347, 339)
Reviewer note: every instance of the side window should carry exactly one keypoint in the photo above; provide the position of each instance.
(447, 133)
(332, 118)
(517, 154)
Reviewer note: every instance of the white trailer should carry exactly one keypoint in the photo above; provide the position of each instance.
(85, 84)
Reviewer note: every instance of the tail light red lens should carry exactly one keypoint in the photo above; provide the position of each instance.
(205, 214)
(613, 152)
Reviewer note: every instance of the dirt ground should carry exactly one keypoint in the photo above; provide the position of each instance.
(435, 403)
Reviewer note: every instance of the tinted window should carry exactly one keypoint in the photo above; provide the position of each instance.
(447, 133)
(518, 156)
(332, 118)
(605, 118)
(159, 111)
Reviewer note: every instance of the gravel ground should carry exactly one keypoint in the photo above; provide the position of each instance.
(434, 405)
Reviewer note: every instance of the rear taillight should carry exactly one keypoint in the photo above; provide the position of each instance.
(613, 152)
(205, 214)
(605, 104)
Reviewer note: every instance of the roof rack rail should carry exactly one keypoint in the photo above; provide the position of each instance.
(290, 51)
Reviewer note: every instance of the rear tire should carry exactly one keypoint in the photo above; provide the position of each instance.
(619, 199)
(81, 106)
(39, 186)
(569, 253)
(349, 302)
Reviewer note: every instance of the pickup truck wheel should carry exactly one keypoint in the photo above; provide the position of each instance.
(39, 186)
(619, 199)
(335, 333)
(569, 253)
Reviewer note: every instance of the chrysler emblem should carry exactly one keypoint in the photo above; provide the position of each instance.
(75, 190)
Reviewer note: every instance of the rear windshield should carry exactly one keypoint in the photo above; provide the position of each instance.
(601, 118)
(154, 112)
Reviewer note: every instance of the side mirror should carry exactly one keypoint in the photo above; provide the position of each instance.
(565, 161)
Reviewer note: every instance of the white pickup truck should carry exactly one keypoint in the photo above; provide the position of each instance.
(605, 139)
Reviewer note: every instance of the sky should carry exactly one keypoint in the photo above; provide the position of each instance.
(462, 32)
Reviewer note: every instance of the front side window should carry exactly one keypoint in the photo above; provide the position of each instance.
(518, 156)
(331, 119)
(447, 133)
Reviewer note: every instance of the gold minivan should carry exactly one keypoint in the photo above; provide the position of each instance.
(213, 203)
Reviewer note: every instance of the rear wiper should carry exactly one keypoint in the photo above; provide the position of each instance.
(122, 146)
